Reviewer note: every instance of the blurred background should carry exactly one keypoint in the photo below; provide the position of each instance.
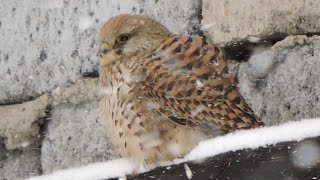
(49, 117)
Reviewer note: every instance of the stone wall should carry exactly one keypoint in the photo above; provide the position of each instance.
(49, 116)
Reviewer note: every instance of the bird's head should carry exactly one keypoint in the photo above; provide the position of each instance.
(132, 34)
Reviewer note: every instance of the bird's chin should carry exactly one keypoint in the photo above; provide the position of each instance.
(108, 58)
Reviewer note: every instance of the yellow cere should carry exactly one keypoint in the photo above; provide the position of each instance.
(107, 45)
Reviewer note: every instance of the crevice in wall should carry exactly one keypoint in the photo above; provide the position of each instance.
(196, 26)
(2, 151)
(242, 50)
(19, 100)
(90, 74)
(43, 126)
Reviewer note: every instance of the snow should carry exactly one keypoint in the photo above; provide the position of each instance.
(207, 26)
(261, 61)
(254, 138)
(253, 39)
(85, 22)
(174, 149)
(188, 171)
(153, 105)
(198, 110)
(25, 144)
(199, 84)
(114, 168)
(105, 91)
(152, 143)
(49, 4)
(306, 155)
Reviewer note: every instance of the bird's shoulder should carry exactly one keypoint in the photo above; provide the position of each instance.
(184, 67)
(189, 77)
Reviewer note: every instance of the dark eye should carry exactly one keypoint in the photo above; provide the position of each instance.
(124, 38)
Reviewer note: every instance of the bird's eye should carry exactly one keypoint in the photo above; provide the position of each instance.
(123, 38)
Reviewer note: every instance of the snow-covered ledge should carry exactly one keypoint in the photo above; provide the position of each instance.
(252, 139)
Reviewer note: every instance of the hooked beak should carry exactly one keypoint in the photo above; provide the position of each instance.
(106, 47)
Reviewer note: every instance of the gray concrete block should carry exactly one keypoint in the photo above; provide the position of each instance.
(227, 21)
(19, 163)
(45, 44)
(19, 123)
(83, 91)
(290, 89)
(75, 136)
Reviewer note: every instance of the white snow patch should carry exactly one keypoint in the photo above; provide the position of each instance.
(122, 178)
(306, 155)
(153, 105)
(52, 4)
(160, 54)
(188, 171)
(25, 144)
(150, 139)
(174, 149)
(199, 84)
(254, 138)
(136, 78)
(207, 26)
(261, 61)
(105, 91)
(253, 39)
(152, 143)
(103, 170)
(197, 110)
(85, 22)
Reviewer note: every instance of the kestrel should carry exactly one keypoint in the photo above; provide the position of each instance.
(163, 93)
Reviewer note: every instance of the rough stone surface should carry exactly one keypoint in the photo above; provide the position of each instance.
(49, 46)
(290, 89)
(84, 90)
(18, 123)
(53, 43)
(75, 136)
(231, 20)
(19, 163)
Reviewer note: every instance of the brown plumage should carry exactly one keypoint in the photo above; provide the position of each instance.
(164, 92)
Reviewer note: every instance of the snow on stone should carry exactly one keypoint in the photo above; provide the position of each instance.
(114, 168)
(85, 22)
(207, 26)
(151, 143)
(174, 149)
(306, 155)
(261, 61)
(197, 110)
(150, 139)
(188, 171)
(104, 91)
(52, 4)
(199, 84)
(254, 138)
(25, 144)
(153, 105)
(160, 54)
(253, 39)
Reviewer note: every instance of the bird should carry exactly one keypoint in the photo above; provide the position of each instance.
(164, 92)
